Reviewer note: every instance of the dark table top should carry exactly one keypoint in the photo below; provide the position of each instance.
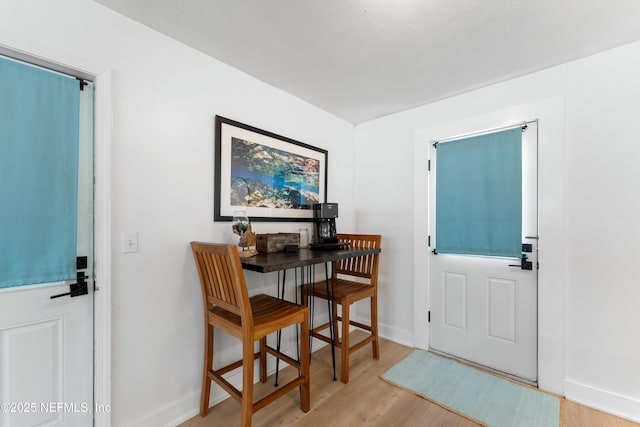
(276, 261)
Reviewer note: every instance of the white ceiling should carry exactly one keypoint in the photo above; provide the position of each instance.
(362, 59)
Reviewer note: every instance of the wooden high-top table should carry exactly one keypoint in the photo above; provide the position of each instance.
(277, 261)
(281, 261)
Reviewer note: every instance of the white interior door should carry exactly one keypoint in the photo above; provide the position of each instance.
(482, 308)
(46, 344)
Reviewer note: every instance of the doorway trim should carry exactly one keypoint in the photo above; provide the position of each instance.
(102, 235)
(551, 226)
(103, 118)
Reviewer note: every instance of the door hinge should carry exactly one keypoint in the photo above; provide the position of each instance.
(429, 165)
(429, 316)
(428, 241)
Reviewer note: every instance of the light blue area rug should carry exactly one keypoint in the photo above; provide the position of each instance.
(473, 393)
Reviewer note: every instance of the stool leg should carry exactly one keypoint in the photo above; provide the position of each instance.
(263, 360)
(247, 382)
(335, 320)
(208, 364)
(305, 394)
(332, 325)
(374, 327)
(344, 346)
(279, 334)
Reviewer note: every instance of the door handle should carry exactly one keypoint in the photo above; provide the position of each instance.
(76, 289)
(525, 264)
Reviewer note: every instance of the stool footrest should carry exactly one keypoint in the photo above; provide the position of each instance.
(272, 351)
(321, 337)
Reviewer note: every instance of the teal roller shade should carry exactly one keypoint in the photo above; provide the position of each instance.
(38, 174)
(479, 195)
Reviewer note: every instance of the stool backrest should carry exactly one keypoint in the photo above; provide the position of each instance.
(222, 278)
(365, 266)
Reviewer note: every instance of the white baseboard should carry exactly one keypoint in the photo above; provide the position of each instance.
(187, 407)
(399, 336)
(178, 411)
(602, 400)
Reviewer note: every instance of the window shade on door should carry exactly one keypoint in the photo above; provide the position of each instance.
(39, 122)
(479, 195)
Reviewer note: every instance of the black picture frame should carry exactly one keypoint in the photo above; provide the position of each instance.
(269, 176)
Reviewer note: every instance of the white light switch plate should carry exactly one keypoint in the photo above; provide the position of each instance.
(129, 243)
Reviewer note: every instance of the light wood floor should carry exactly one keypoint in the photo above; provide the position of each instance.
(368, 401)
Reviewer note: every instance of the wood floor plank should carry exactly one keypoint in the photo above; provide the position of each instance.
(367, 400)
(578, 415)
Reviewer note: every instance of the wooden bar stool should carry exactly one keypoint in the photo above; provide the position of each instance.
(227, 306)
(352, 280)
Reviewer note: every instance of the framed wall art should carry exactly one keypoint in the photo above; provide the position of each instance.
(270, 177)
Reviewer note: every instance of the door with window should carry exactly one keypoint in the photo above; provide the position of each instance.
(46, 251)
(483, 263)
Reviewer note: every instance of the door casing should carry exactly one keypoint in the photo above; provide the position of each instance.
(550, 113)
(103, 119)
(506, 343)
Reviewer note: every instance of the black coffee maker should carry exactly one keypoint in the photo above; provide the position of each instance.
(324, 220)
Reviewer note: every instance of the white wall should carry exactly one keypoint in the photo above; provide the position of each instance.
(590, 326)
(165, 97)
